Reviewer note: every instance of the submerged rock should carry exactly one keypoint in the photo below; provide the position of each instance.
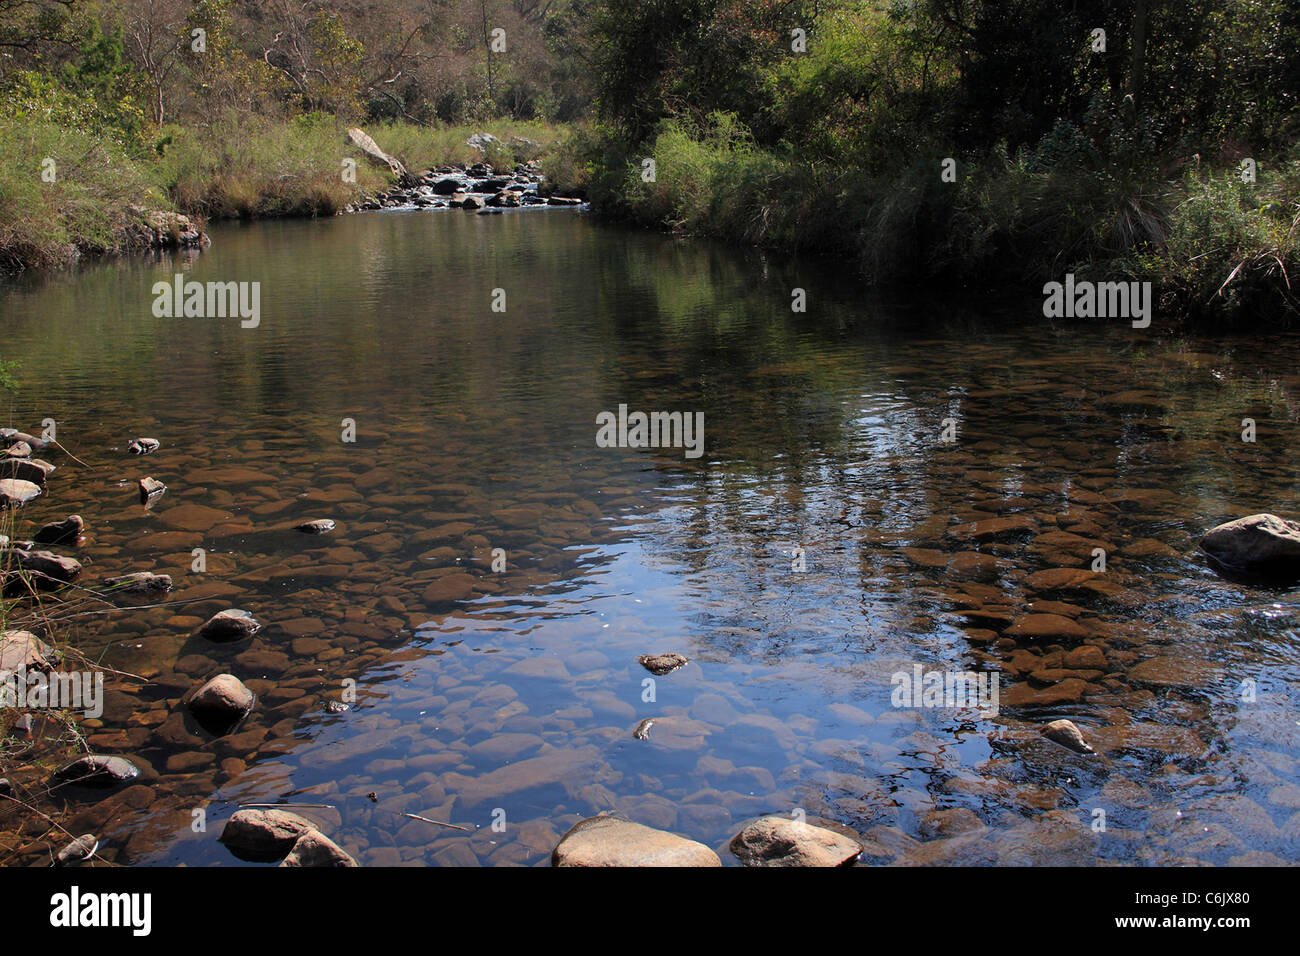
(78, 851)
(263, 835)
(661, 664)
(316, 526)
(60, 532)
(143, 446)
(1065, 733)
(16, 492)
(1262, 543)
(314, 848)
(231, 625)
(221, 703)
(98, 771)
(778, 841)
(608, 841)
(140, 582)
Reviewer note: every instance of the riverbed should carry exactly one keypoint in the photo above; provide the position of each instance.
(884, 485)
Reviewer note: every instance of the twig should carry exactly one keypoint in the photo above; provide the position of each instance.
(436, 823)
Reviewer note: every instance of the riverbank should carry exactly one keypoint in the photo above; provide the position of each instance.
(71, 192)
(1218, 240)
(1218, 245)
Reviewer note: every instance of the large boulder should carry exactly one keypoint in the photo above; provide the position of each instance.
(609, 841)
(779, 841)
(1262, 543)
(362, 141)
(263, 835)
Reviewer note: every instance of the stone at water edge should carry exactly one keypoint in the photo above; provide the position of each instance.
(778, 841)
(150, 488)
(44, 563)
(230, 625)
(60, 532)
(95, 770)
(221, 703)
(314, 848)
(16, 492)
(1065, 733)
(19, 450)
(143, 446)
(263, 835)
(660, 664)
(608, 841)
(316, 526)
(78, 851)
(26, 469)
(24, 651)
(139, 582)
(1261, 542)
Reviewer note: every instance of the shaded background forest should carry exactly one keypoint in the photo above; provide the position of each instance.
(1165, 149)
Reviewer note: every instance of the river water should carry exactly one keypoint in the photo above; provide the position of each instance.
(827, 539)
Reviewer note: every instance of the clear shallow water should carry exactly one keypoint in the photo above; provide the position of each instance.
(518, 691)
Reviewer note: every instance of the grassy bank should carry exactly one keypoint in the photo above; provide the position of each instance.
(1213, 246)
(240, 166)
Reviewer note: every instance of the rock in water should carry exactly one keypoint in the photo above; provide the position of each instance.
(1065, 733)
(143, 446)
(44, 563)
(314, 848)
(98, 771)
(1262, 543)
(27, 469)
(778, 841)
(221, 703)
(232, 625)
(24, 651)
(316, 526)
(263, 835)
(60, 532)
(150, 488)
(139, 582)
(16, 492)
(608, 841)
(19, 450)
(661, 664)
(78, 851)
